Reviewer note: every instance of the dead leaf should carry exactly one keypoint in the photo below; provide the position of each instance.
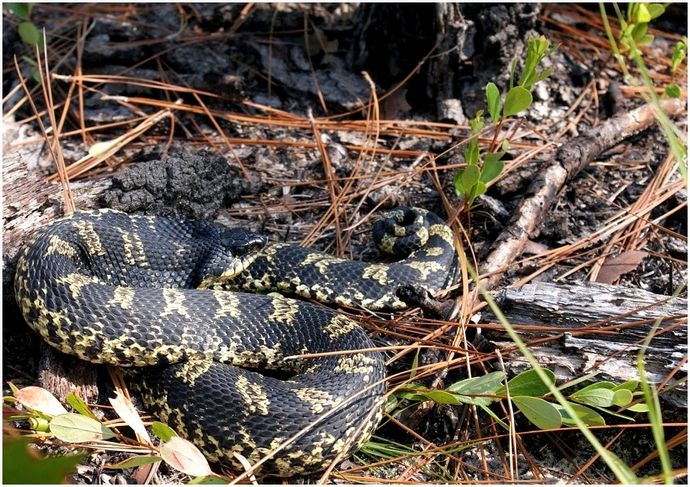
(395, 105)
(616, 266)
(185, 457)
(126, 410)
(40, 400)
(247, 467)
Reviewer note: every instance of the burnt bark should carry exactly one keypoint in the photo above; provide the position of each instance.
(454, 50)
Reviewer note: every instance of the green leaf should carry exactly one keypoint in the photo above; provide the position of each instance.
(21, 10)
(528, 383)
(486, 384)
(392, 403)
(587, 415)
(75, 428)
(638, 32)
(19, 466)
(604, 384)
(612, 413)
(477, 123)
(79, 405)
(478, 190)
(135, 462)
(162, 431)
(412, 396)
(415, 364)
(655, 10)
(537, 50)
(30, 34)
(442, 397)
(630, 385)
(208, 479)
(457, 184)
(493, 102)
(540, 413)
(679, 53)
(638, 408)
(470, 176)
(492, 167)
(436, 395)
(641, 14)
(472, 152)
(36, 74)
(595, 397)
(513, 67)
(622, 397)
(517, 100)
(646, 40)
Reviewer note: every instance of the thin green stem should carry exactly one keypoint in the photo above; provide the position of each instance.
(612, 41)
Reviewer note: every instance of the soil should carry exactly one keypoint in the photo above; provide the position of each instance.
(286, 88)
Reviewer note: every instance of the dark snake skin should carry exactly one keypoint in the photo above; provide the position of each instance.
(135, 291)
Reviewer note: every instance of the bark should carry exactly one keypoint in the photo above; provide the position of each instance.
(30, 202)
(577, 329)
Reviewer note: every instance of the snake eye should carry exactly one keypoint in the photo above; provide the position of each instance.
(240, 241)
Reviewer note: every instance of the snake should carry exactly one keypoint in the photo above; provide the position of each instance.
(235, 343)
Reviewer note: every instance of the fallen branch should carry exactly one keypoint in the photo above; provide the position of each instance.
(570, 159)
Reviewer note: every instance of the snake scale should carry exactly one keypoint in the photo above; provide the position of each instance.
(158, 296)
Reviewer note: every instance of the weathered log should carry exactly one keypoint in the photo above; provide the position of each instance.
(30, 202)
(578, 329)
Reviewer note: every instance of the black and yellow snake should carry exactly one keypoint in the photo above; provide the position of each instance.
(137, 291)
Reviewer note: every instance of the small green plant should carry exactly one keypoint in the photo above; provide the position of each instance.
(677, 56)
(680, 51)
(634, 34)
(531, 396)
(29, 34)
(22, 466)
(633, 28)
(48, 419)
(27, 31)
(635, 25)
(482, 168)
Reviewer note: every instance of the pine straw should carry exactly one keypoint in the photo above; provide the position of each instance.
(380, 163)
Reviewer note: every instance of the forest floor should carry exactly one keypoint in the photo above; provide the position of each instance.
(255, 117)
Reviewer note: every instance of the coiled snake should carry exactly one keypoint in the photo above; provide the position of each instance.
(137, 291)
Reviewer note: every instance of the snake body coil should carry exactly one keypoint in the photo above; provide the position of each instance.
(137, 291)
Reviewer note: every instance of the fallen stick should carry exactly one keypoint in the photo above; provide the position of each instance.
(571, 158)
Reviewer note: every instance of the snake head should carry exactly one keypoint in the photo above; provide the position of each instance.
(242, 242)
(236, 250)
